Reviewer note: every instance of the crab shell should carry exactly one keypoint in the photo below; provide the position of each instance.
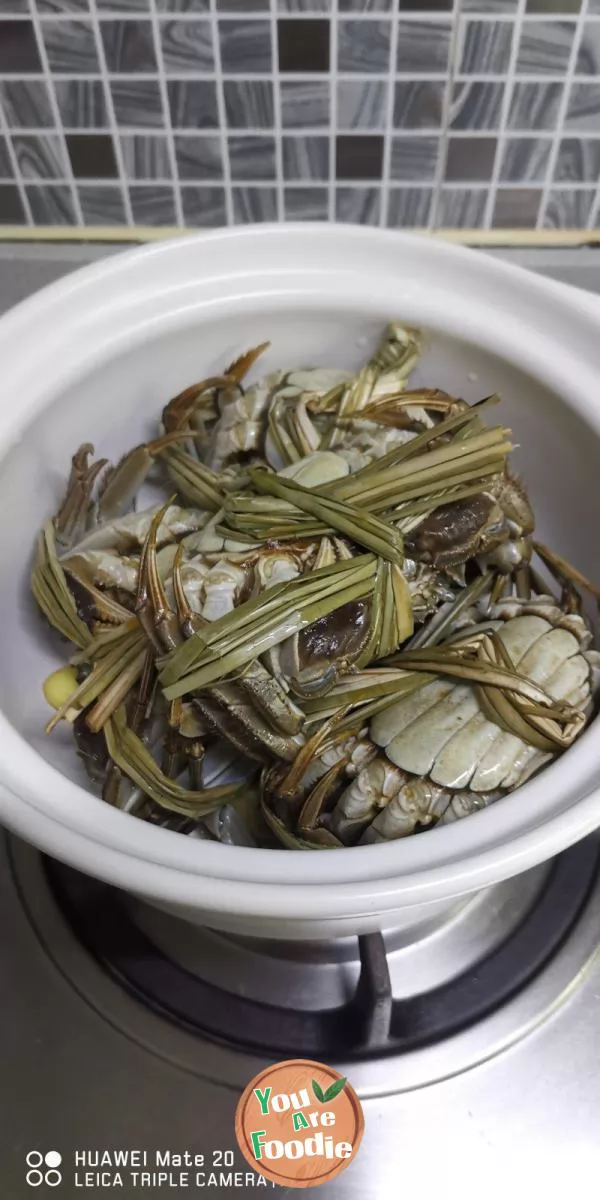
(442, 758)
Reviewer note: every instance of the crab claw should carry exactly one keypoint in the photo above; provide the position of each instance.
(71, 518)
(152, 608)
(240, 366)
(178, 411)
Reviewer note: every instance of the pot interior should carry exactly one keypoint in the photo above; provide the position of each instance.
(116, 405)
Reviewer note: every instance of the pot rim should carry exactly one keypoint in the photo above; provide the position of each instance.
(84, 318)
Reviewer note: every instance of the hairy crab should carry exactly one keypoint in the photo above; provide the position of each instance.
(333, 631)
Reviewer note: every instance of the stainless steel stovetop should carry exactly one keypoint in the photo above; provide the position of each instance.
(480, 1077)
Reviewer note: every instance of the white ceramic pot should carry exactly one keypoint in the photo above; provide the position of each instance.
(94, 357)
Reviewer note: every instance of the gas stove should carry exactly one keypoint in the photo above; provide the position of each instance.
(474, 1047)
(127, 1036)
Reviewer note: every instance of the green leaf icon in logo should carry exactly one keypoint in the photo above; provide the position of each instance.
(334, 1090)
(318, 1090)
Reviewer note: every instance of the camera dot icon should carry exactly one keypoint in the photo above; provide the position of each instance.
(36, 1162)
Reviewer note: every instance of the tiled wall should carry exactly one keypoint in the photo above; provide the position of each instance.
(424, 113)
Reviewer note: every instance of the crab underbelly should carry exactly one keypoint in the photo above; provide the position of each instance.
(441, 734)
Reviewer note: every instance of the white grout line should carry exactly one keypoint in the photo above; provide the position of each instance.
(538, 135)
(59, 132)
(559, 128)
(333, 78)
(222, 114)
(454, 55)
(418, 16)
(112, 120)
(316, 184)
(388, 133)
(167, 127)
(277, 131)
(304, 77)
(504, 115)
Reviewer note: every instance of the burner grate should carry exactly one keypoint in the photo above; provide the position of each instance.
(372, 1022)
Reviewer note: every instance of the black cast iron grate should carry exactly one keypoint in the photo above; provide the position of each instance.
(372, 1022)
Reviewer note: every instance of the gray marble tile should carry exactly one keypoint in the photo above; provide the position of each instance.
(71, 47)
(198, 157)
(137, 103)
(423, 47)
(102, 205)
(568, 209)
(203, 206)
(358, 206)
(11, 207)
(516, 208)
(303, 47)
(6, 171)
(193, 103)
(545, 47)
(305, 157)
(366, 6)
(583, 108)
(51, 204)
(92, 155)
(588, 56)
(534, 105)
(252, 205)
(122, 7)
(525, 160)
(504, 7)
(191, 6)
(304, 103)
(364, 46)
(82, 103)
(419, 105)
(242, 6)
(39, 157)
(361, 104)
(300, 6)
(414, 158)
(484, 47)
(187, 46)
(461, 208)
(128, 46)
(252, 157)
(245, 47)
(578, 161)
(249, 103)
(306, 204)
(426, 6)
(61, 6)
(552, 7)
(470, 160)
(409, 208)
(146, 156)
(19, 54)
(14, 6)
(153, 205)
(476, 105)
(26, 104)
(359, 156)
